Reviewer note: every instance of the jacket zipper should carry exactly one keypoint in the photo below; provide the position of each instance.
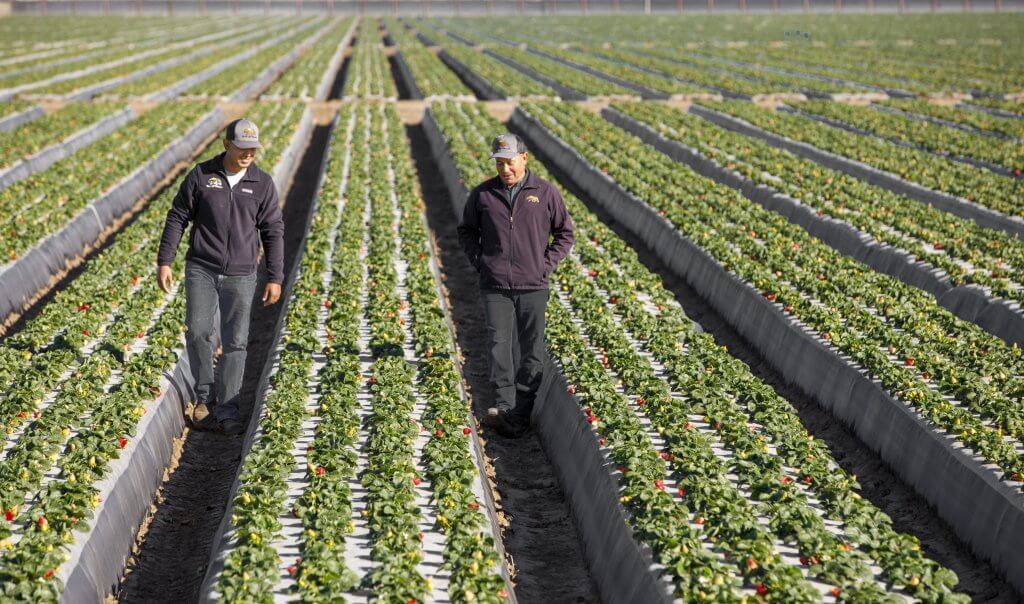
(231, 207)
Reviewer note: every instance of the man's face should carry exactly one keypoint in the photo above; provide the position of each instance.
(237, 158)
(512, 170)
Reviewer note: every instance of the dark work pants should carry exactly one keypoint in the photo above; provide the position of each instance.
(205, 293)
(516, 317)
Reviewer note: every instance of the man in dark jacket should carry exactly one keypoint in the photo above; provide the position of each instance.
(505, 230)
(229, 201)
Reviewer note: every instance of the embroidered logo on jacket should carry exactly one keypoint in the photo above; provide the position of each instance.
(214, 183)
(532, 199)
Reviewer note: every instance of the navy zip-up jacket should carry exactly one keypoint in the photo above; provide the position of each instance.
(507, 240)
(226, 221)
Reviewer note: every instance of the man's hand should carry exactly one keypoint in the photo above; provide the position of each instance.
(271, 294)
(165, 279)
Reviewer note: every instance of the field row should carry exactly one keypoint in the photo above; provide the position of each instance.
(78, 378)
(715, 470)
(361, 482)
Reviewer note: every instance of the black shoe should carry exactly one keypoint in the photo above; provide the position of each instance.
(505, 423)
(207, 423)
(200, 412)
(231, 427)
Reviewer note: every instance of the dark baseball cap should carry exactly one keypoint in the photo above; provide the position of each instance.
(244, 134)
(507, 146)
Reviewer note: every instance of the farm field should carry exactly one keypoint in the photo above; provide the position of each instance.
(784, 351)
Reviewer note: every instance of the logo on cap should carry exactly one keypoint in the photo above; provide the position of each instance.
(249, 132)
(503, 144)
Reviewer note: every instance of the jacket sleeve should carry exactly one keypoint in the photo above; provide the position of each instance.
(181, 213)
(469, 230)
(270, 222)
(562, 234)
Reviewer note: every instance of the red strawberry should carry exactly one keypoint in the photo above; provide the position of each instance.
(909, 362)
(419, 535)
(688, 426)
(474, 505)
(467, 431)
(682, 492)
(659, 484)
(372, 380)
(592, 273)
(751, 564)
(327, 303)
(416, 481)
(140, 335)
(601, 440)
(85, 332)
(789, 308)
(503, 594)
(571, 389)
(9, 515)
(614, 300)
(664, 455)
(293, 569)
(122, 442)
(135, 280)
(48, 574)
(699, 520)
(41, 522)
(320, 470)
(762, 589)
(439, 433)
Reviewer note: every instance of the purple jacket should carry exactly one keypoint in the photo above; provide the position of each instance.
(508, 243)
(226, 221)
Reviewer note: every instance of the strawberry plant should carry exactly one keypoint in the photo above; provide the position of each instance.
(302, 79)
(432, 76)
(937, 138)
(369, 75)
(977, 185)
(966, 252)
(33, 137)
(44, 202)
(956, 383)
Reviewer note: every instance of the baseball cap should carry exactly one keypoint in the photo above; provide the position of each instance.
(244, 134)
(507, 146)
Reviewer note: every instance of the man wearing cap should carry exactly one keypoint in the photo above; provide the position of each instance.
(515, 230)
(233, 206)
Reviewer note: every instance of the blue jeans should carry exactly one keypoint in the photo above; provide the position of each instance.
(206, 292)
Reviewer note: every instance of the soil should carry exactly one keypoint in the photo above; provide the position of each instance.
(539, 532)
(170, 556)
(910, 513)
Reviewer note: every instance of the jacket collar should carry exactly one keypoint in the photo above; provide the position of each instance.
(251, 173)
(529, 181)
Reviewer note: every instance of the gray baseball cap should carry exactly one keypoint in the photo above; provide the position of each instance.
(507, 146)
(244, 134)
